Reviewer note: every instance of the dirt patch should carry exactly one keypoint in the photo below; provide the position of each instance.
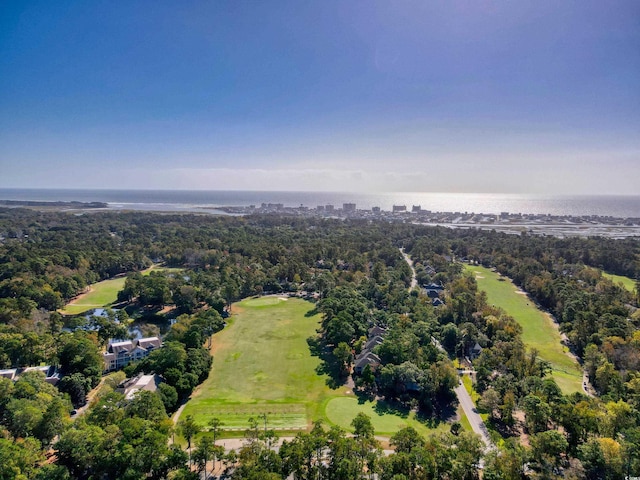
(519, 416)
(216, 344)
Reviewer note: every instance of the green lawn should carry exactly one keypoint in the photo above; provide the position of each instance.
(538, 329)
(628, 283)
(103, 294)
(263, 365)
(385, 420)
(468, 386)
(464, 421)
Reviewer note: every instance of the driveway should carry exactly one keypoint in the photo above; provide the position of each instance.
(477, 424)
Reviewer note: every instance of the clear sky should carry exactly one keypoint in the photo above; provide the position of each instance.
(403, 95)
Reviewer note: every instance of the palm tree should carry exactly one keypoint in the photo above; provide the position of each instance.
(189, 428)
(204, 451)
(215, 423)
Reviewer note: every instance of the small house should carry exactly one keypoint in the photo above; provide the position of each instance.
(10, 373)
(432, 293)
(142, 382)
(476, 351)
(363, 360)
(377, 331)
(373, 342)
(51, 373)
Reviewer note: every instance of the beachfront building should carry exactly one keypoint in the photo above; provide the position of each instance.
(121, 353)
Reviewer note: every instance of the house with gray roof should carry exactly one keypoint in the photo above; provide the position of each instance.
(377, 330)
(10, 373)
(51, 373)
(365, 359)
(373, 342)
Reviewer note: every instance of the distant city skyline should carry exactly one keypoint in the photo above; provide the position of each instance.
(407, 96)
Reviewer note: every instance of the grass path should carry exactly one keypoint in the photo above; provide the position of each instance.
(538, 328)
(102, 294)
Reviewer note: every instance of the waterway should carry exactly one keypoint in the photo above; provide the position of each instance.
(621, 206)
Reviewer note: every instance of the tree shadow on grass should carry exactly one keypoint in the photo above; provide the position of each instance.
(364, 396)
(328, 364)
(403, 407)
(430, 421)
(433, 419)
(503, 429)
(385, 407)
(315, 345)
(311, 313)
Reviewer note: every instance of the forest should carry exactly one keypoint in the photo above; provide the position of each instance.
(355, 273)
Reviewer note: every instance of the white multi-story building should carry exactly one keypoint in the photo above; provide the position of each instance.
(121, 353)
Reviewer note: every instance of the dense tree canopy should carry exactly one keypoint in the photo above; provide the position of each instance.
(357, 274)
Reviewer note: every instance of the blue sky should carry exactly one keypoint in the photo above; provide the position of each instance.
(473, 96)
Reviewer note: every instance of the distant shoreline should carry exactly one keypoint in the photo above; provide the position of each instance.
(601, 206)
(54, 204)
(560, 226)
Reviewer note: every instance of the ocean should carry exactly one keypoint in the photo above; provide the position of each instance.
(199, 201)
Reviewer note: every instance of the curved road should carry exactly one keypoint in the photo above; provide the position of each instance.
(407, 258)
(469, 409)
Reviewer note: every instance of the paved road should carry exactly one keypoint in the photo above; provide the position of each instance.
(90, 398)
(469, 409)
(407, 258)
(477, 424)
